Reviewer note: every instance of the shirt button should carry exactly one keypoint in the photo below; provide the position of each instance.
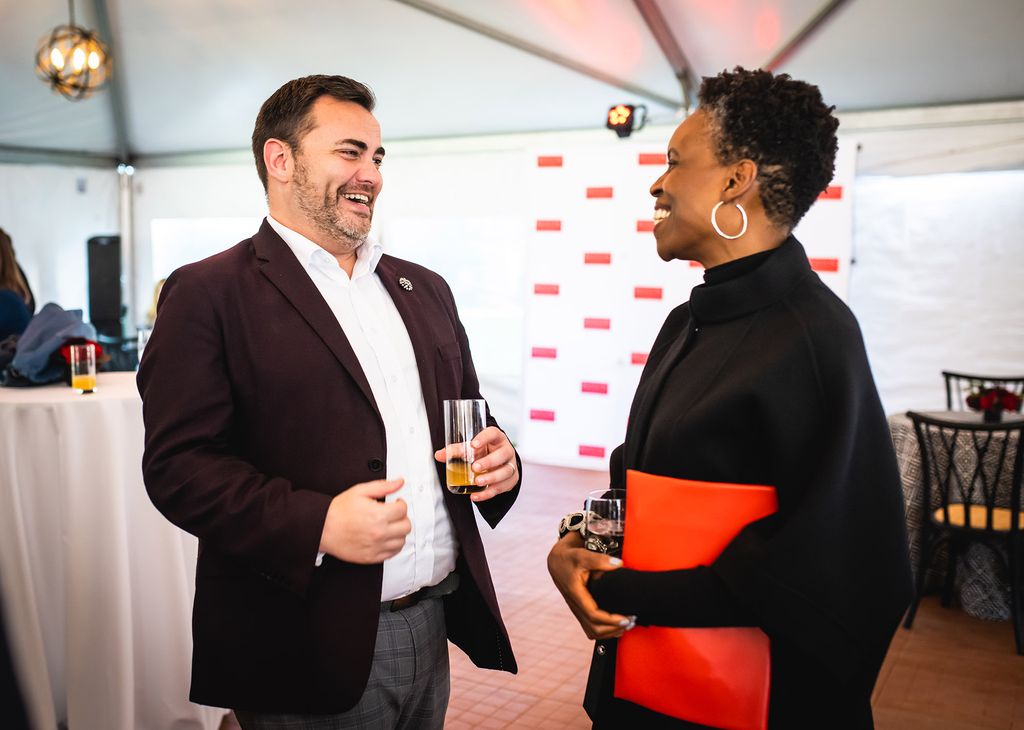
(419, 489)
(375, 464)
(412, 429)
(600, 649)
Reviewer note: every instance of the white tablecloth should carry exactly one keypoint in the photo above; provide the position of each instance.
(97, 585)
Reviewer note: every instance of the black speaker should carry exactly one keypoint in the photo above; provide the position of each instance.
(105, 308)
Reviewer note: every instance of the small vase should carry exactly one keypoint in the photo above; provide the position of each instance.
(993, 415)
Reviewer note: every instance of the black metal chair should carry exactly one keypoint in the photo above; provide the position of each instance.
(122, 353)
(960, 385)
(965, 468)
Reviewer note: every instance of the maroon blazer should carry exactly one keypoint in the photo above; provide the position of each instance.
(257, 413)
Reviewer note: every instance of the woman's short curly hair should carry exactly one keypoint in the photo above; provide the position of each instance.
(783, 126)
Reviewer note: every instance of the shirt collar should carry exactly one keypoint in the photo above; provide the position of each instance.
(753, 290)
(309, 254)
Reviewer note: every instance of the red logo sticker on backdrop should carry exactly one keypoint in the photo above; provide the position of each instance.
(824, 264)
(638, 358)
(832, 192)
(597, 258)
(545, 289)
(600, 388)
(653, 158)
(597, 323)
(644, 226)
(546, 352)
(536, 415)
(549, 161)
(549, 225)
(597, 451)
(599, 192)
(647, 292)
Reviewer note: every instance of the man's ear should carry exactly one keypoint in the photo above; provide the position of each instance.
(742, 178)
(277, 156)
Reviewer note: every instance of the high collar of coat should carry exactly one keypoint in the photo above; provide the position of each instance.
(754, 290)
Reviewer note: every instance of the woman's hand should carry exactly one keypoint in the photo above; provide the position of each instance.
(570, 566)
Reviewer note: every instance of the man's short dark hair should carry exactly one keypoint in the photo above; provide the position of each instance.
(285, 115)
(784, 126)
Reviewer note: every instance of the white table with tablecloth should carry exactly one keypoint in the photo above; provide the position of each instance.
(97, 586)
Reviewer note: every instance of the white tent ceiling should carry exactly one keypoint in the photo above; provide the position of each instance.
(190, 75)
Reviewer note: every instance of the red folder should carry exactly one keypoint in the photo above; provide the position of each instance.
(712, 676)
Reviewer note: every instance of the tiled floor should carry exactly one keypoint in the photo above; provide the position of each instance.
(551, 650)
(950, 672)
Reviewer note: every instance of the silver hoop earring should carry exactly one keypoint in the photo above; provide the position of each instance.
(714, 222)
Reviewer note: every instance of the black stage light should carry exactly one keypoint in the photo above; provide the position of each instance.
(624, 119)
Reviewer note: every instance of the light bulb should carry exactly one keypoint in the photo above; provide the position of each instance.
(94, 60)
(57, 59)
(78, 60)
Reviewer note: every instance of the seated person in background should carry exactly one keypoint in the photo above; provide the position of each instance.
(14, 292)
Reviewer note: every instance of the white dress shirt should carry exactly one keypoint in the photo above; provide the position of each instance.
(375, 330)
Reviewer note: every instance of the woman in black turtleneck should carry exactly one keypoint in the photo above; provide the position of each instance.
(761, 378)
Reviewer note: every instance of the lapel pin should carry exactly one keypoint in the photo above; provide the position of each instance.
(405, 283)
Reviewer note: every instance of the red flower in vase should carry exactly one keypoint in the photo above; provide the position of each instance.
(984, 399)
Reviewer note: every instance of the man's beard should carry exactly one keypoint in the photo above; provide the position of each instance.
(350, 231)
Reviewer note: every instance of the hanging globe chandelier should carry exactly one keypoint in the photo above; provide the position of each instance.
(73, 60)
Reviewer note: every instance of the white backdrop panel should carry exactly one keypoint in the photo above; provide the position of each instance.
(597, 293)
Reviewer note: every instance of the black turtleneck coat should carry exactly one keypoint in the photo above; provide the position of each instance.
(762, 378)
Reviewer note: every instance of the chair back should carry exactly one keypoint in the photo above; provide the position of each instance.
(972, 472)
(123, 353)
(960, 385)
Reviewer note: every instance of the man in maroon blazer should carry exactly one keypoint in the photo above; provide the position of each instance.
(292, 393)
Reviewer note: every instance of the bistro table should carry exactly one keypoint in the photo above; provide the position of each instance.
(981, 584)
(97, 586)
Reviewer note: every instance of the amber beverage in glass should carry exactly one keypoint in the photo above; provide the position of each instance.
(463, 420)
(83, 368)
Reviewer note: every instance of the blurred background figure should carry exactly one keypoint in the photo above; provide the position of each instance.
(16, 301)
(145, 330)
(151, 312)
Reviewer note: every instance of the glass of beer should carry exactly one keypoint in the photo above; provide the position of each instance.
(463, 420)
(83, 368)
(606, 521)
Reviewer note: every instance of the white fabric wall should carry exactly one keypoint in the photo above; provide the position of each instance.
(50, 212)
(934, 283)
(211, 193)
(938, 282)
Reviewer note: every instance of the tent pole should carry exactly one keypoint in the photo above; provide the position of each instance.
(129, 276)
(670, 48)
(534, 50)
(802, 35)
(116, 88)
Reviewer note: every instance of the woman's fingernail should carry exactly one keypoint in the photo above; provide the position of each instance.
(624, 622)
(615, 561)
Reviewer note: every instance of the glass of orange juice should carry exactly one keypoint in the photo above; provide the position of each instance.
(83, 368)
(463, 420)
